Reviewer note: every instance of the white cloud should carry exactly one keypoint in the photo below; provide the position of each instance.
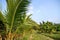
(30, 10)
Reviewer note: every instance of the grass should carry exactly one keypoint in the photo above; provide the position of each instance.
(41, 37)
(37, 36)
(54, 36)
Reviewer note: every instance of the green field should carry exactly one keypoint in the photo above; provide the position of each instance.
(53, 36)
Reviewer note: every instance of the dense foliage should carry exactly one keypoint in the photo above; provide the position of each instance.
(16, 25)
(49, 27)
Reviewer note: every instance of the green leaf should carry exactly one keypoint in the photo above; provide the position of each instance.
(16, 9)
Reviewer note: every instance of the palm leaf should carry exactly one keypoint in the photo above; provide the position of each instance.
(1, 16)
(15, 11)
(2, 25)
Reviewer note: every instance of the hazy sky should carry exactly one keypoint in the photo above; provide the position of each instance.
(43, 10)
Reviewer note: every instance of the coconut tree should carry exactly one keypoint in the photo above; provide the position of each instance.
(15, 16)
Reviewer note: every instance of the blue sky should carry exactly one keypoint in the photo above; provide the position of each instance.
(43, 10)
(0, 5)
(46, 10)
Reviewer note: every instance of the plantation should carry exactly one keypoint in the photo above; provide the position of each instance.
(15, 24)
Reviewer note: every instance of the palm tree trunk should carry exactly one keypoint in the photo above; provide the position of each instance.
(0, 37)
(10, 36)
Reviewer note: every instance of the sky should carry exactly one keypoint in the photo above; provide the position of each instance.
(0, 5)
(42, 10)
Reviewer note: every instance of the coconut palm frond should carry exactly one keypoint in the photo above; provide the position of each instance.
(15, 11)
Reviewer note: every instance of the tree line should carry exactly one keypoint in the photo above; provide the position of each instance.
(49, 27)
